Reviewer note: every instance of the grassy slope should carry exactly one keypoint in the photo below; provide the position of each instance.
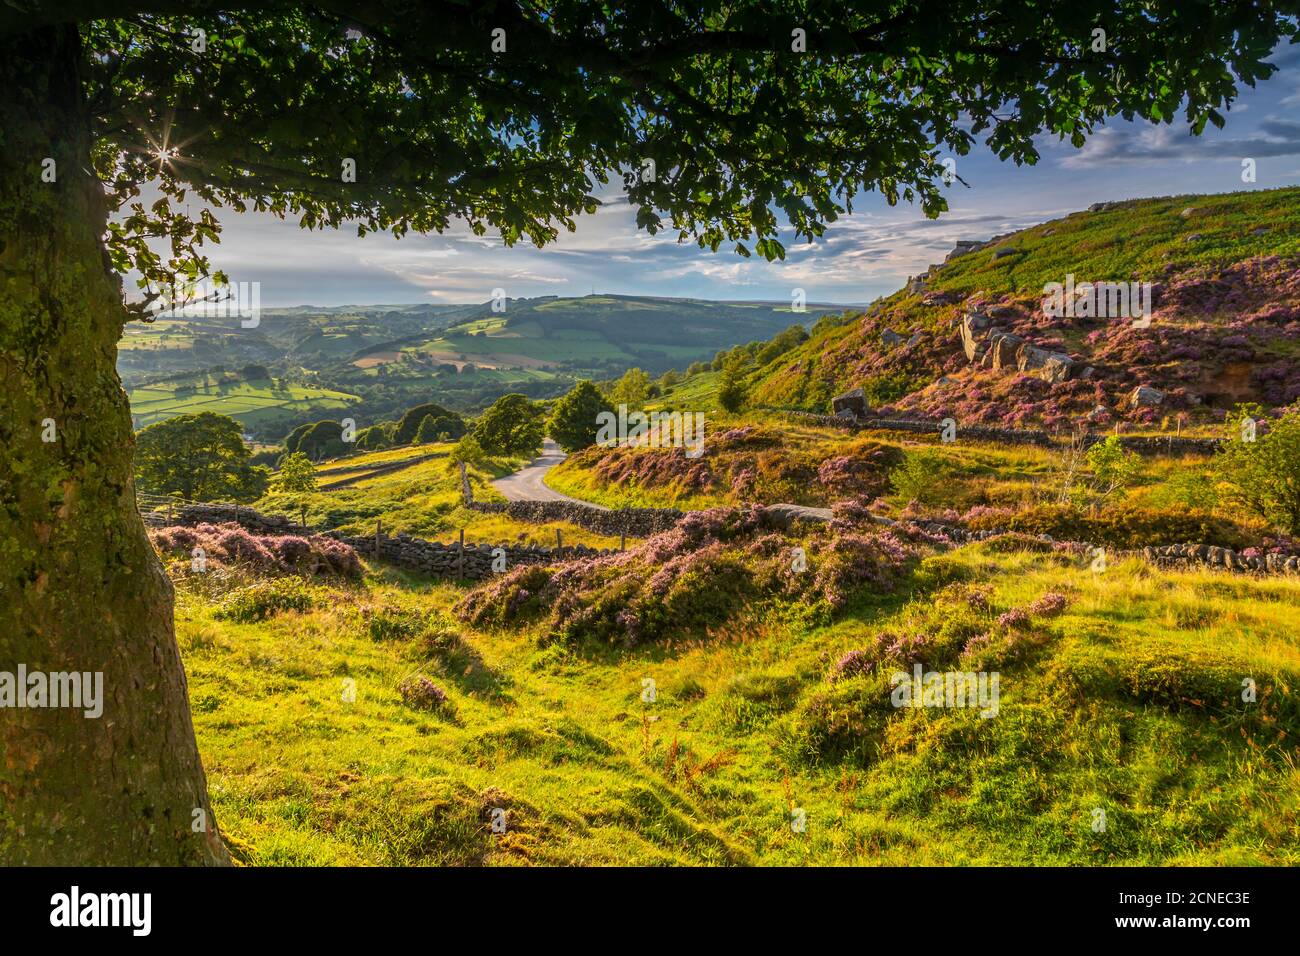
(1144, 240)
(423, 500)
(1128, 704)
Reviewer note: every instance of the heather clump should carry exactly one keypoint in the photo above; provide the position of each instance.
(420, 693)
(715, 569)
(234, 546)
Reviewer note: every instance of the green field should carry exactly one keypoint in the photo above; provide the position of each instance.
(248, 402)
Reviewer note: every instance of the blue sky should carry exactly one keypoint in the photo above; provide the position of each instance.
(868, 254)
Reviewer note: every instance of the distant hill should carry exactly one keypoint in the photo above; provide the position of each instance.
(389, 357)
(1225, 325)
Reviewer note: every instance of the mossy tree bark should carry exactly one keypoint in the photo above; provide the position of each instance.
(80, 587)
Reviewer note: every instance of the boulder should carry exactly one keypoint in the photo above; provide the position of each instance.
(889, 338)
(1189, 212)
(963, 247)
(852, 403)
(916, 337)
(783, 516)
(1004, 348)
(916, 284)
(1049, 366)
(1005, 251)
(972, 328)
(1145, 397)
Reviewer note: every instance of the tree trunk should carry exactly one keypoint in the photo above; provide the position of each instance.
(80, 587)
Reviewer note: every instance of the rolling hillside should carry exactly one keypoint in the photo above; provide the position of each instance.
(1224, 329)
(389, 357)
(259, 405)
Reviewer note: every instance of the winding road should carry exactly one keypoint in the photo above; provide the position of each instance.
(528, 484)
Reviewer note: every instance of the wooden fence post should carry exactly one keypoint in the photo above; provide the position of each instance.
(559, 541)
(622, 542)
(460, 557)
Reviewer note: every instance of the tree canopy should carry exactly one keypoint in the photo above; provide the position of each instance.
(574, 421)
(512, 426)
(511, 116)
(201, 457)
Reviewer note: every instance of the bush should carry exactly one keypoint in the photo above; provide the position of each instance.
(275, 554)
(1263, 476)
(711, 569)
(264, 599)
(917, 478)
(420, 693)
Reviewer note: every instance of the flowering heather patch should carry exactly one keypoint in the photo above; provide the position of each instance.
(1017, 617)
(864, 470)
(420, 693)
(852, 663)
(281, 554)
(743, 463)
(1049, 605)
(714, 568)
(854, 562)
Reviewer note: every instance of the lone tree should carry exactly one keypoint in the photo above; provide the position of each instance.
(402, 116)
(575, 418)
(512, 426)
(201, 457)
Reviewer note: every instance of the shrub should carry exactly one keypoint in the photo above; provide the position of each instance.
(1263, 476)
(917, 478)
(710, 569)
(275, 554)
(264, 599)
(420, 693)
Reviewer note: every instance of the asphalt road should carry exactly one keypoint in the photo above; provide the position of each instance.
(527, 484)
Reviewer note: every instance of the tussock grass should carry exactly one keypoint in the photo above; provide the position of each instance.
(1128, 701)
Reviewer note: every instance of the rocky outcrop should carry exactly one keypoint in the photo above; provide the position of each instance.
(852, 403)
(973, 326)
(1004, 349)
(1145, 397)
(963, 247)
(1049, 366)
(987, 346)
